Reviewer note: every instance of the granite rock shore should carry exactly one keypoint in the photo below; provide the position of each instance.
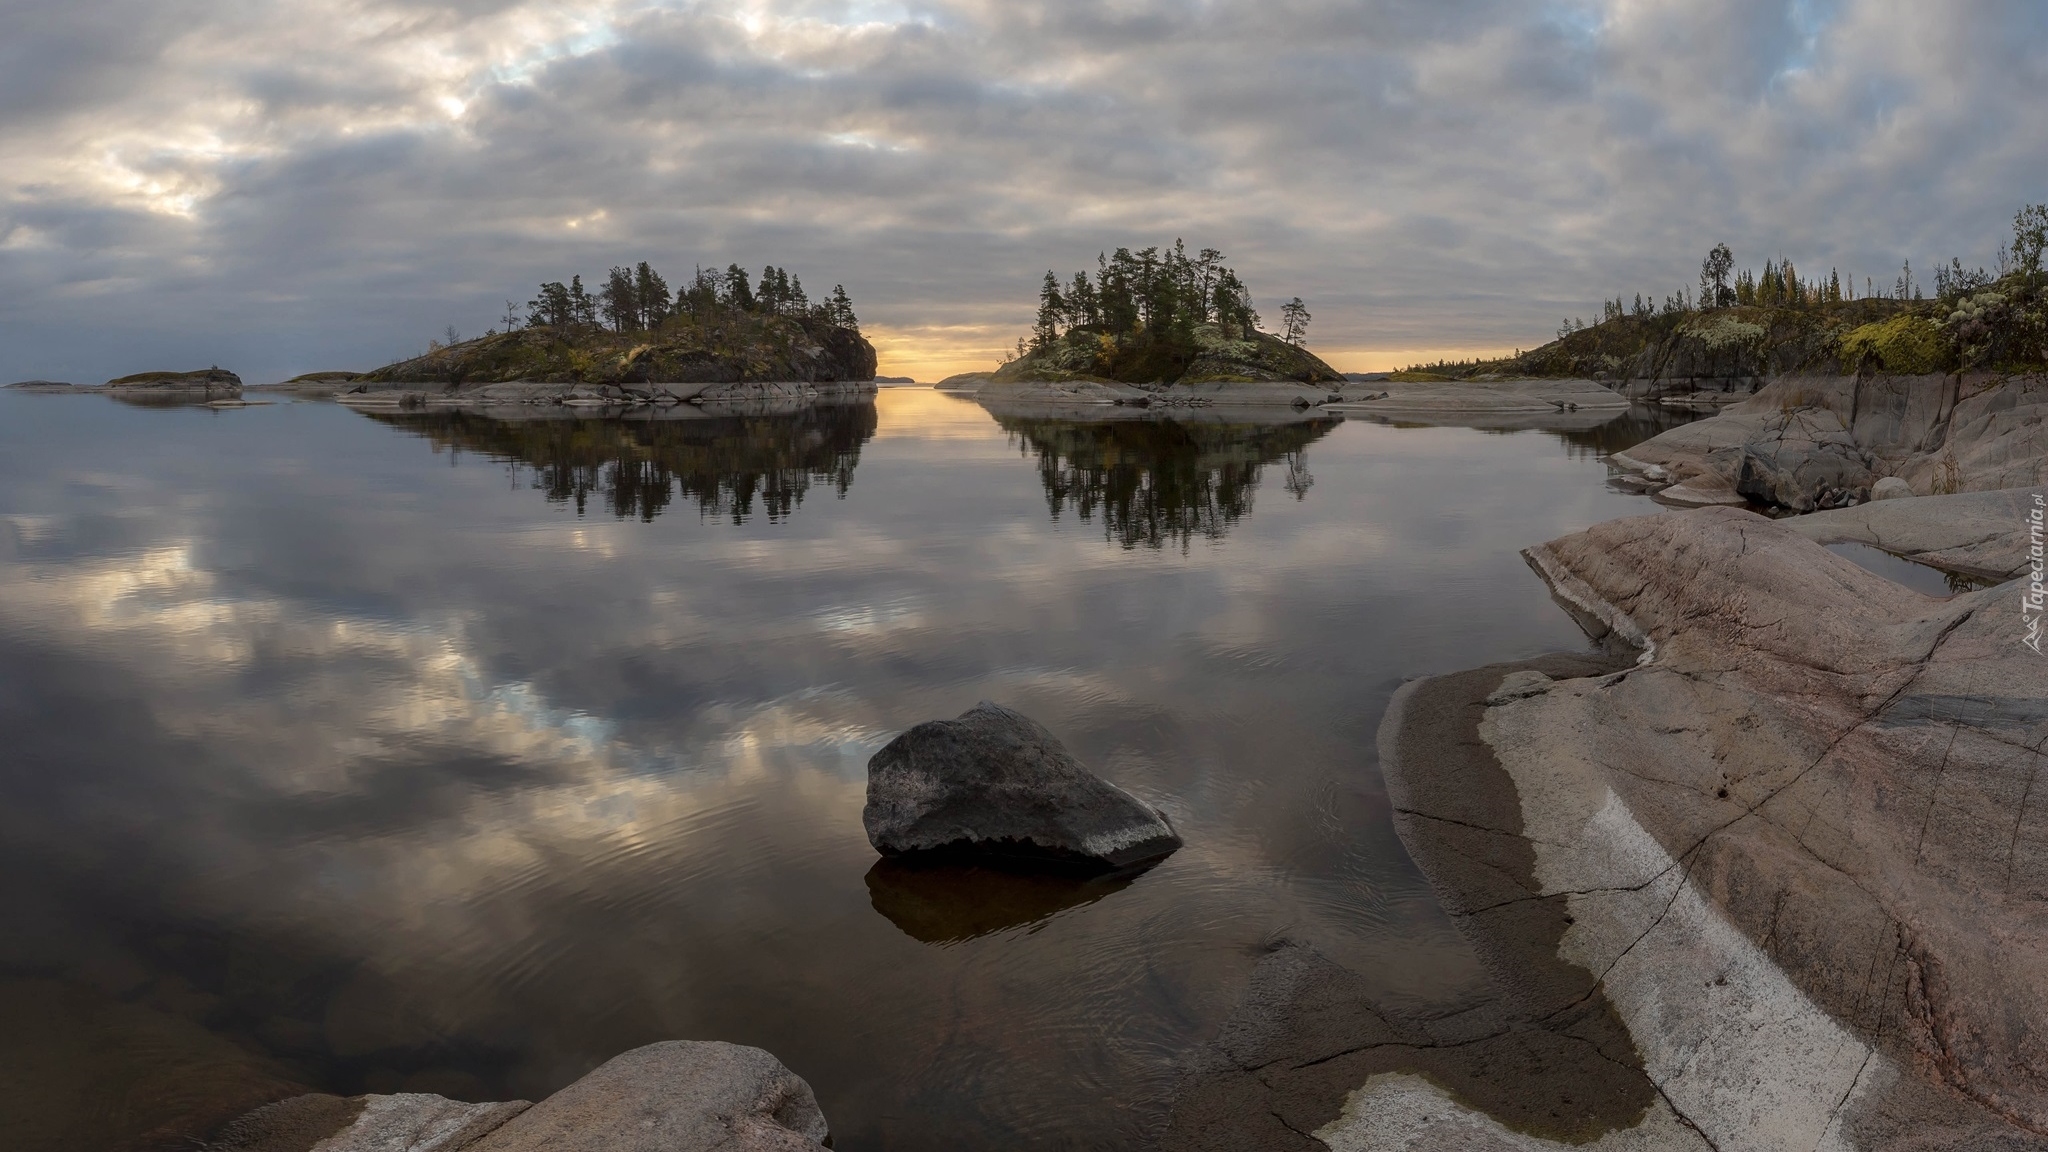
(1770, 873)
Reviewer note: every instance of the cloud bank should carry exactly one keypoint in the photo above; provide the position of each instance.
(302, 184)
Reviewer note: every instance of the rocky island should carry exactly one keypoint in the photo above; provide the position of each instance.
(1157, 328)
(215, 385)
(635, 343)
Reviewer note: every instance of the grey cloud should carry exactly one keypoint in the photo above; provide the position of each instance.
(1425, 174)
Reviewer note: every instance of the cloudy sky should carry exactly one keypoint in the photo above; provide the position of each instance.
(286, 185)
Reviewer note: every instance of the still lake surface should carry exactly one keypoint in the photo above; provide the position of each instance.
(444, 753)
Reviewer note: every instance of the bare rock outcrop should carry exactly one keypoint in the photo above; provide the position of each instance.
(1803, 460)
(1839, 769)
(677, 1096)
(994, 781)
(1978, 534)
(1809, 442)
(1792, 855)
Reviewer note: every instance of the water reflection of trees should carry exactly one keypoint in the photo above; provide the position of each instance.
(728, 465)
(1151, 481)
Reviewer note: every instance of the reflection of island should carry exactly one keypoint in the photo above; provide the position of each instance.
(1586, 433)
(1621, 432)
(1157, 479)
(724, 462)
(945, 902)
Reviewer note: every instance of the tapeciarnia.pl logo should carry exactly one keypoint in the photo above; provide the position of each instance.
(2035, 598)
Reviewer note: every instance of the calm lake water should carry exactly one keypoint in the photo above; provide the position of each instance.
(449, 754)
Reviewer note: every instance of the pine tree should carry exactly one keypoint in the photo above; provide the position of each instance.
(2029, 239)
(1050, 308)
(1081, 305)
(1714, 292)
(582, 305)
(552, 308)
(650, 297)
(1294, 320)
(841, 309)
(621, 303)
(737, 293)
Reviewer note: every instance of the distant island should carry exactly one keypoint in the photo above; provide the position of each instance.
(1157, 319)
(1741, 328)
(717, 328)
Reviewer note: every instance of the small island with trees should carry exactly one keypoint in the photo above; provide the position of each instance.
(718, 328)
(1741, 327)
(1157, 326)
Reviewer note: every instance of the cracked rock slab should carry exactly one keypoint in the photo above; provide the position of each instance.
(1846, 772)
(1975, 533)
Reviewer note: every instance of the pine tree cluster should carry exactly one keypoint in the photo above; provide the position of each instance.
(638, 299)
(1162, 294)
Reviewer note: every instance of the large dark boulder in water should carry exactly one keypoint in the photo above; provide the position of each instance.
(995, 781)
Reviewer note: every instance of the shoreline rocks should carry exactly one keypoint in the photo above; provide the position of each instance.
(210, 381)
(1490, 397)
(1976, 534)
(1807, 442)
(1205, 355)
(743, 346)
(995, 782)
(675, 1096)
(1197, 394)
(1784, 843)
(600, 397)
(1836, 769)
(204, 384)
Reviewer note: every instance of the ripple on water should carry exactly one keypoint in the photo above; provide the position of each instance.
(458, 752)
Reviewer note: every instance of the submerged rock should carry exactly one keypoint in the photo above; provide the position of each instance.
(995, 781)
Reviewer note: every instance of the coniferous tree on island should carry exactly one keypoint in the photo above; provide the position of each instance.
(714, 327)
(1158, 315)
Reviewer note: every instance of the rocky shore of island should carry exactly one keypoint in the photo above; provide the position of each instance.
(1769, 868)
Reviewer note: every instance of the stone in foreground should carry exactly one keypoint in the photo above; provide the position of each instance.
(994, 781)
(678, 1096)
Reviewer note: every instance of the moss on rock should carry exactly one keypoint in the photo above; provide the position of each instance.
(1910, 345)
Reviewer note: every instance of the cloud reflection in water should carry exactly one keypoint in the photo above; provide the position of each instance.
(397, 774)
